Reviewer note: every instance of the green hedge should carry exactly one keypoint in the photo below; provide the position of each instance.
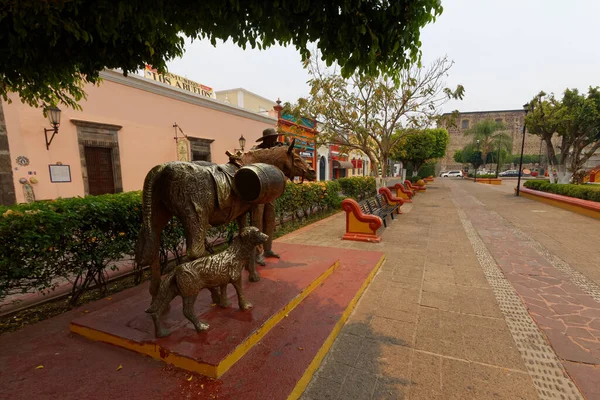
(77, 239)
(358, 187)
(306, 197)
(427, 170)
(471, 175)
(585, 192)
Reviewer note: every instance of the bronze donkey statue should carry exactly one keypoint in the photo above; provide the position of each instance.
(201, 194)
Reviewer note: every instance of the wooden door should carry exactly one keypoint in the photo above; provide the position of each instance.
(100, 170)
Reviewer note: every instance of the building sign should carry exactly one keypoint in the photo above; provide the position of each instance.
(183, 149)
(59, 173)
(306, 154)
(180, 82)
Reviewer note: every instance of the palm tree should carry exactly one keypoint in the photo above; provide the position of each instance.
(492, 137)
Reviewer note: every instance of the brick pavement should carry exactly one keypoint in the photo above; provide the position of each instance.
(444, 318)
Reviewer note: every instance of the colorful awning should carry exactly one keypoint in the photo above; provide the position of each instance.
(342, 164)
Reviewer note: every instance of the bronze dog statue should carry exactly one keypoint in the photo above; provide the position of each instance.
(218, 270)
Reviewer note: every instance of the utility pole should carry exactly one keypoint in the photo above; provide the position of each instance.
(477, 163)
(498, 160)
(526, 108)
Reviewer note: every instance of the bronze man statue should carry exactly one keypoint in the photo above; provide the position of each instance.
(263, 215)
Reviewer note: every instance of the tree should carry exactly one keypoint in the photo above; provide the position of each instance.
(372, 114)
(575, 119)
(51, 48)
(472, 156)
(491, 136)
(418, 148)
(542, 120)
(442, 138)
(459, 157)
(469, 155)
(414, 149)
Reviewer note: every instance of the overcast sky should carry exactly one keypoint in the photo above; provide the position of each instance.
(505, 52)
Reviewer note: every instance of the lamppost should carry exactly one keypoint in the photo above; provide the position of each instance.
(54, 118)
(477, 162)
(526, 108)
(498, 160)
(242, 141)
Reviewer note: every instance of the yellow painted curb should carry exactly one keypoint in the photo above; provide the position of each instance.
(213, 371)
(565, 206)
(316, 362)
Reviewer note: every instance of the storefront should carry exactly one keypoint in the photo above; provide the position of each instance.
(126, 126)
(304, 131)
(339, 163)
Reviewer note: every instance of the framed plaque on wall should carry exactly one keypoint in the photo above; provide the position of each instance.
(60, 173)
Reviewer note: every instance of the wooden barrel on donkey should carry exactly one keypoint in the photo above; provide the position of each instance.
(259, 183)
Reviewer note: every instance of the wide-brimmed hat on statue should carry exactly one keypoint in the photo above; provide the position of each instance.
(269, 132)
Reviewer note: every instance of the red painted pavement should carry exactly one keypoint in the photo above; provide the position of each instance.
(271, 369)
(77, 368)
(281, 281)
(569, 317)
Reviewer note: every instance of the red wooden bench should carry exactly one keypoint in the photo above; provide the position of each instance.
(403, 193)
(391, 199)
(360, 225)
(415, 188)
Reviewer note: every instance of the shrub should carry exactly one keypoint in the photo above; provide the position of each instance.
(358, 187)
(471, 175)
(427, 170)
(304, 198)
(584, 192)
(77, 239)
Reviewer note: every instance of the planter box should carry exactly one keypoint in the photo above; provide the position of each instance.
(488, 181)
(584, 207)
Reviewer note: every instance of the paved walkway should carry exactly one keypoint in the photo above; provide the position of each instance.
(483, 296)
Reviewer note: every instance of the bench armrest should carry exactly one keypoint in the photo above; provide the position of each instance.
(350, 205)
(400, 186)
(390, 197)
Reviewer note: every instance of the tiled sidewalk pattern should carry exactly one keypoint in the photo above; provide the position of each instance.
(429, 326)
(562, 300)
(433, 304)
(545, 368)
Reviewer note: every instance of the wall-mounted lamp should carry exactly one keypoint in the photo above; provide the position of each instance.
(54, 118)
(242, 141)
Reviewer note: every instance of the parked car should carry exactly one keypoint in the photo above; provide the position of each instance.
(509, 173)
(455, 173)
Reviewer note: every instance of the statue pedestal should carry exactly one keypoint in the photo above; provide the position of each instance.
(300, 304)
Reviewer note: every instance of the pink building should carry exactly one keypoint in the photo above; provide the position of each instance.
(126, 127)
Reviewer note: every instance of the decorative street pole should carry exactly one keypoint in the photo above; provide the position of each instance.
(526, 108)
(498, 160)
(477, 163)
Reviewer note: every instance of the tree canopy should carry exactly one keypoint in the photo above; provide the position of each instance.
(492, 136)
(51, 48)
(458, 157)
(418, 148)
(575, 119)
(469, 155)
(372, 114)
